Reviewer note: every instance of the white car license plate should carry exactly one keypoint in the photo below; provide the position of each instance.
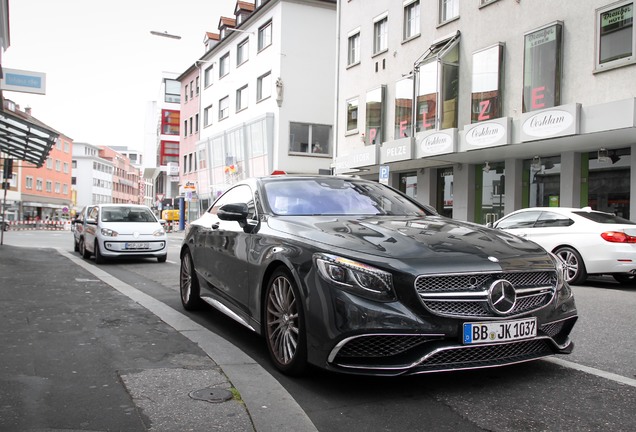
(497, 331)
(137, 245)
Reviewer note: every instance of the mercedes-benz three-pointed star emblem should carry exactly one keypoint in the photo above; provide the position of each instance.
(502, 296)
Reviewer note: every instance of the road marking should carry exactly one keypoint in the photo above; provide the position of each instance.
(593, 371)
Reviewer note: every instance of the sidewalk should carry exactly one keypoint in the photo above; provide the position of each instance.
(85, 351)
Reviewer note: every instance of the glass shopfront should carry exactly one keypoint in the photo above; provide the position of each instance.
(490, 205)
(542, 182)
(408, 183)
(609, 181)
(444, 204)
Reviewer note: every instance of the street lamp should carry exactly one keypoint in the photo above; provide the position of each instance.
(165, 34)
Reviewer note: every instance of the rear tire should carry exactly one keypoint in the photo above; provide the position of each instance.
(284, 322)
(575, 272)
(82, 249)
(189, 284)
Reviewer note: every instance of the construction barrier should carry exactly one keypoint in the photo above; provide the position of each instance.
(40, 225)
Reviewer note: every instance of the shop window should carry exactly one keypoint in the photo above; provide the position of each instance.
(170, 122)
(411, 19)
(353, 49)
(487, 85)
(374, 116)
(492, 177)
(615, 39)
(352, 115)
(380, 34)
(436, 105)
(543, 180)
(309, 138)
(542, 68)
(403, 108)
(444, 201)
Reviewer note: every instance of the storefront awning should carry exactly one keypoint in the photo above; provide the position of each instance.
(25, 138)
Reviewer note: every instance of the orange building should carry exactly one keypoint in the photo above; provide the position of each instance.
(125, 176)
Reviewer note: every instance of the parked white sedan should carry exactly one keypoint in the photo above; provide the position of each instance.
(589, 242)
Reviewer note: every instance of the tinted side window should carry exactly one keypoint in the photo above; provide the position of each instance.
(549, 219)
(520, 220)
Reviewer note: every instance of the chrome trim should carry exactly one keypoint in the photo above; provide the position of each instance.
(339, 345)
(227, 311)
(480, 294)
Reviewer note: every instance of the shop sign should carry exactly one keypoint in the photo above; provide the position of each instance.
(551, 123)
(489, 133)
(431, 143)
(398, 150)
(366, 156)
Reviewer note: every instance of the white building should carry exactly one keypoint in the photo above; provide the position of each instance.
(92, 176)
(267, 91)
(483, 107)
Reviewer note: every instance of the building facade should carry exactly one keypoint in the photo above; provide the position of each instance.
(448, 102)
(92, 176)
(266, 100)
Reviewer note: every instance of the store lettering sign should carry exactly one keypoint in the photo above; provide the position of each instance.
(487, 134)
(436, 142)
(398, 150)
(551, 122)
(366, 156)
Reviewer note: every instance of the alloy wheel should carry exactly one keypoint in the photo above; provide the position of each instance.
(282, 321)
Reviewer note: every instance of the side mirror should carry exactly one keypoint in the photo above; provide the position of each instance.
(91, 221)
(233, 212)
(490, 225)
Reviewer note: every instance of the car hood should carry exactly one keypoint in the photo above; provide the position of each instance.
(440, 241)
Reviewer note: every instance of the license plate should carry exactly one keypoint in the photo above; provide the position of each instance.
(497, 331)
(137, 245)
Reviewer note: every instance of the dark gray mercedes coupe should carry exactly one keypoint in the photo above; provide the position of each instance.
(354, 276)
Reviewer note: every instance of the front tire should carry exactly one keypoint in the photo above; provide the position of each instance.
(284, 322)
(99, 258)
(575, 272)
(189, 284)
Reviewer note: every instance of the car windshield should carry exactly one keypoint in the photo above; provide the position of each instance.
(127, 214)
(336, 196)
(604, 218)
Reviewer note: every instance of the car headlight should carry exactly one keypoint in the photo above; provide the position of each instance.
(108, 232)
(355, 277)
(159, 232)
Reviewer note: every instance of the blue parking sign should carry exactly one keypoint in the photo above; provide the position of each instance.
(384, 174)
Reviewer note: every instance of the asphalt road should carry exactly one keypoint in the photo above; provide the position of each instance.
(593, 389)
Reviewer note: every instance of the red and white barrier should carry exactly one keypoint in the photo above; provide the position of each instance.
(40, 225)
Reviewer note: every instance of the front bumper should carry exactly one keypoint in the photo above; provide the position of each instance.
(122, 248)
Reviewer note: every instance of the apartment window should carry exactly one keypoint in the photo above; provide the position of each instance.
(173, 91)
(185, 93)
(375, 116)
(67, 147)
(242, 52)
(265, 36)
(207, 76)
(185, 164)
(58, 187)
(403, 108)
(170, 120)
(65, 189)
(411, 19)
(448, 10)
(191, 125)
(58, 165)
(29, 182)
(352, 115)
(49, 186)
(224, 107)
(264, 86)
(191, 89)
(169, 152)
(65, 167)
(196, 123)
(615, 39)
(438, 86)
(487, 83)
(241, 98)
(197, 88)
(38, 185)
(224, 65)
(207, 116)
(353, 50)
(543, 50)
(185, 128)
(49, 163)
(309, 138)
(380, 34)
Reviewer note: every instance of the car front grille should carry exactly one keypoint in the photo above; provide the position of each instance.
(467, 295)
(380, 345)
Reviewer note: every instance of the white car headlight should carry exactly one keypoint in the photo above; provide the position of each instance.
(109, 232)
(355, 277)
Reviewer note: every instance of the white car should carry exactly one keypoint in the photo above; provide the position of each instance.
(118, 231)
(588, 242)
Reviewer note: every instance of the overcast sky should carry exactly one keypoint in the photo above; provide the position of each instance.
(102, 65)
